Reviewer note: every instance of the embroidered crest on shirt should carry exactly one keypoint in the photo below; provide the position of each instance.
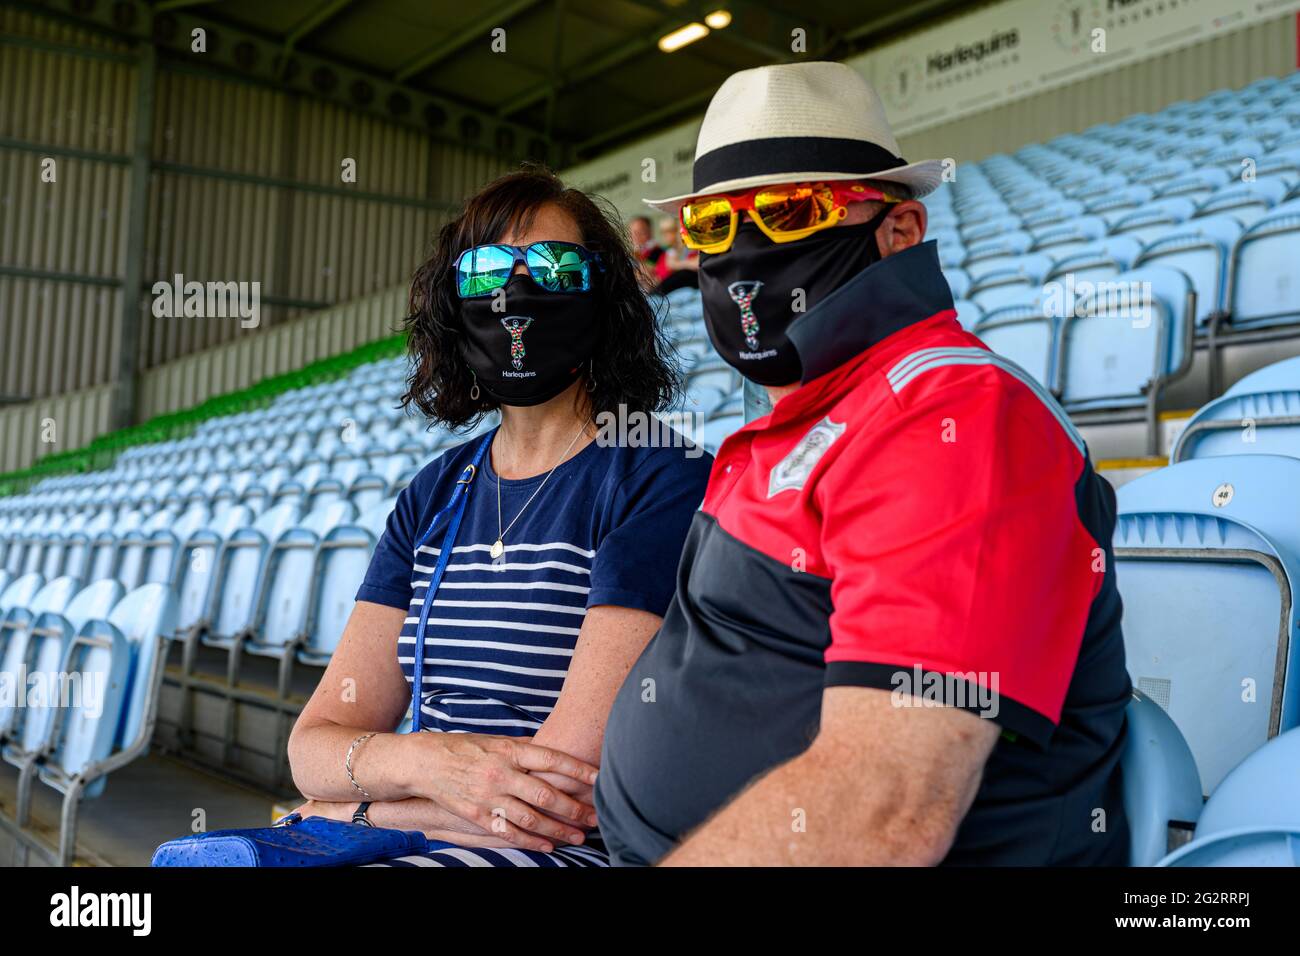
(792, 471)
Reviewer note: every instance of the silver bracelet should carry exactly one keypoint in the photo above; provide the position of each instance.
(347, 762)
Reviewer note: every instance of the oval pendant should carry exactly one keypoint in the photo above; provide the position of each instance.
(498, 549)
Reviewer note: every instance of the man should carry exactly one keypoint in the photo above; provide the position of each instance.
(896, 635)
(645, 249)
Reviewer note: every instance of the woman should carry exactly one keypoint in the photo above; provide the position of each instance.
(563, 564)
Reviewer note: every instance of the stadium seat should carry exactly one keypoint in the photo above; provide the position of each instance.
(968, 313)
(1020, 284)
(1153, 219)
(1103, 259)
(1206, 554)
(1260, 414)
(1253, 817)
(1202, 249)
(94, 737)
(1117, 351)
(1245, 202)
(997, 252)
(280, 619)
(1264, 288)
(341, 562)
(1025, 335)
(1162, 791)
(715, 430)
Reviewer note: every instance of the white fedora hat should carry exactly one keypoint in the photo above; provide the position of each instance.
(798, 122)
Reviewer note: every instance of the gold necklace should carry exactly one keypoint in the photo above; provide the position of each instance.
(498, 548)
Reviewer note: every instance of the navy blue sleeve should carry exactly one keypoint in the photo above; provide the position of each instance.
(636, 562)
(388, 579)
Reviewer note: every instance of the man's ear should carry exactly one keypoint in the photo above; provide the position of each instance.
(903, 228)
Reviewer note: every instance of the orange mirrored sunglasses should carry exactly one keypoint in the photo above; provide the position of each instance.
(784, 213)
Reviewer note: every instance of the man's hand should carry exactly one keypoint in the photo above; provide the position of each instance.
(882, 784)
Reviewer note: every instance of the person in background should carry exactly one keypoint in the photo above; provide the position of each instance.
(565, 560)
(896, 637)
(678, 266)
(645, 249)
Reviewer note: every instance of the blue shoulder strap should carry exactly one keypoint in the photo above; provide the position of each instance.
(457, 508)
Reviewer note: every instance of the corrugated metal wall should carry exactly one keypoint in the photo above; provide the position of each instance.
(37, 429)
(290, 345)
(245, 187)
(80, 416)
(1231, 60)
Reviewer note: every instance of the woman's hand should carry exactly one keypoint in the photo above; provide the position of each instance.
(492, 783)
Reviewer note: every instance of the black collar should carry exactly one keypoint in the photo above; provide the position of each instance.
(899, 290)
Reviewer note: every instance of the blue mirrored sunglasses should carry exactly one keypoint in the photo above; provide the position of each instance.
(554, 265)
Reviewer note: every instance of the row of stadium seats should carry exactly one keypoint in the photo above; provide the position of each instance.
(1204, 582)
(1189, 219)
(251, 536)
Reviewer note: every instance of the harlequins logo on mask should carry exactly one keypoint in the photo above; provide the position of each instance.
(516, 325)
(742, 293)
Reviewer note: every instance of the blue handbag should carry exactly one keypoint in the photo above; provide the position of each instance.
(317, 841)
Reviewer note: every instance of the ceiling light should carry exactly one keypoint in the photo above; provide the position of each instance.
(682, 36)
(718, 19)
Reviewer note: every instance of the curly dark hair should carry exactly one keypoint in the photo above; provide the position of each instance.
(633, 363)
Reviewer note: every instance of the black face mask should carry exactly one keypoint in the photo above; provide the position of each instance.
(748, 292)
(532, 350)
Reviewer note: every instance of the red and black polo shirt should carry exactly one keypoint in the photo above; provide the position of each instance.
(920, 516)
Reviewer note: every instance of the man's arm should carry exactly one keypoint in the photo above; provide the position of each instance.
(880, 785)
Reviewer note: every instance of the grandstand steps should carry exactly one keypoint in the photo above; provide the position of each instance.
(151, 800)
(237, 731)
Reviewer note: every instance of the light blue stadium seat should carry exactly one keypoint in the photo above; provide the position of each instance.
(979, 226)
(102, 732)
(958, 282)
(1066, 237)
(1025, 335)
(1019, 284)
(280, 619)
(1119, 350)
(1162, 790)
(15, 642)
(196, 566)
(1245, 202)
(241, 562)
(1156, 174)
(997, 252)
(1281, 163)
(1195, 184)
(968, 313)
(39, 643)
(715, 431)
(1206, 563)
(1253, 817)
(20, 591)
(1265, 282)
(1154, 219)
(341, 564)
(1051, 213)
(1103, 259)
(1202, 249)
(1260, 414)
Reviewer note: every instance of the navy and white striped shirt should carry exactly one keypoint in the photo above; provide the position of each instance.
(608, 528)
